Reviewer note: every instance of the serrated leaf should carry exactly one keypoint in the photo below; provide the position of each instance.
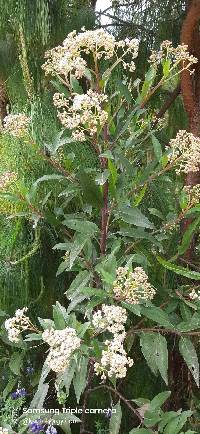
(189, 354)
(135, 308)
(80, 281)
(156, 147)
(154, 349)
(16, 362)
(115, 421)
(80, 378)
(135, 217)
(147, 346)
(76, 247)
(86, 227)
(194, 275)
(175, 425)
(52, 177)
(187, 236)
(68, 375)
(140, 431)
(60, 316)
(157, 315)
(161, 353)
(102, 177)
(91, 192)
(76, 85)
(159, 400)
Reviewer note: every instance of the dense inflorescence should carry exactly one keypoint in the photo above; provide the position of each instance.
(6, 179)
(16, 124)
(185, 152)
(175, 56)
(114, 360)
(62, 345)
(133, 286)
(81, 113)
(69, 57)
(17, 324)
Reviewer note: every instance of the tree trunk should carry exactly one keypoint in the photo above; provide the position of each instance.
(190, 89)
(3, 100)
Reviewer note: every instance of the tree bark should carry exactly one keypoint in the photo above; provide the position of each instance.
(3, 100)
(190, 89)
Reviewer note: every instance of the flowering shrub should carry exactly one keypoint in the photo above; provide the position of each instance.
(111, 243)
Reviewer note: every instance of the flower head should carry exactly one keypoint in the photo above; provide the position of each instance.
(70, 56)
(19, 393)
(62, 345)
(16, 124)
(185, 152)
(37, 426)
(17, 324)
(6, 179)
(133, 286)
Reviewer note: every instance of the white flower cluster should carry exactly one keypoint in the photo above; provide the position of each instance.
(111, 318)
(193, 192)
(132, 286)
(176, 55)
(185, 148)
(3, 430)
(17, 324)
(62, 344)
(82, 113)
(194, 295)
(7, 178)
(67, 58)
(114, 360)
(16, 125)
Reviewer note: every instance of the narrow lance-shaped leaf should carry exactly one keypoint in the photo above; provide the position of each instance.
(189, 354)
(115, 421)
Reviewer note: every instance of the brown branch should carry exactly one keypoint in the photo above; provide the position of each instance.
(167, 104)
(123, 399)
(187, 33)
(104, 211)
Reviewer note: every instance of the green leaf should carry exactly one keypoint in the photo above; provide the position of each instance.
(135, 308)
(159, 400)
(135, 217)
(166, 64)
(151, 418)
(80, 378)
(187, 236)
(83, 226)
(68, 375)
(124, 91)
(157, 315)
(154, 349)
(115, 421)
(194, 275)
(16, 362)
(91, 192)
(147, 343)
(189, 354)
(156, 147)
(52, 177)
(161, 353)
(140, 431)
(76, 85)
(60, 316)
(102, 177)
(78, 244)
(175, 425)
(78, 283)
(192, 324)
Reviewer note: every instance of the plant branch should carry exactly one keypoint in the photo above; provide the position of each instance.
(123, 399)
